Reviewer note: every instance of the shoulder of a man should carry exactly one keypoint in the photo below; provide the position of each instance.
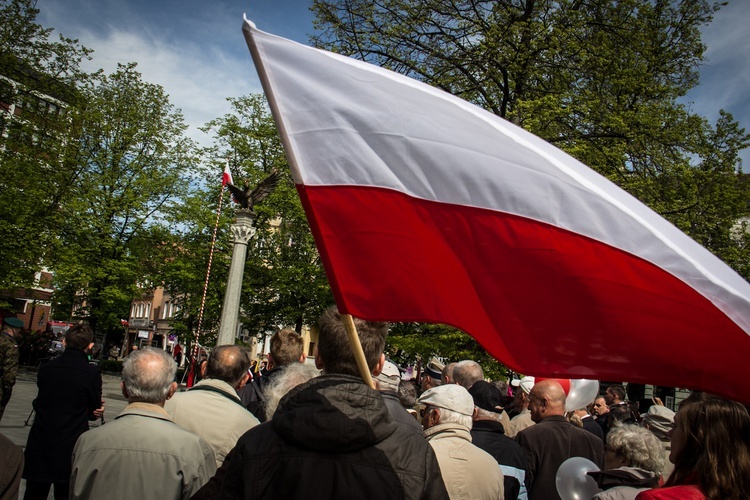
(7, 342)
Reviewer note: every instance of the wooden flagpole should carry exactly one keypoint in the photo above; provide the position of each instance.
(359, 354)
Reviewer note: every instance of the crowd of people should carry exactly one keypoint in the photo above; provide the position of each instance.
(319, 431)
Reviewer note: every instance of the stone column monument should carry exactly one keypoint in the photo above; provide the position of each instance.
(242, 231)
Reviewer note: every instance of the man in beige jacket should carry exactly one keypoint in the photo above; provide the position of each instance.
(468, 472)
(212, 409)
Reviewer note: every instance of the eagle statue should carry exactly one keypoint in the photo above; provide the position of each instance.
(248, 197)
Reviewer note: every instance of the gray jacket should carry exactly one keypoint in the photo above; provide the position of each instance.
(141, 454)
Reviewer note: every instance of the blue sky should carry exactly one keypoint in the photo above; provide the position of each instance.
(196, 51)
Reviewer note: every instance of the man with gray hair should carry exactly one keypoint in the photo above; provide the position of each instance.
(466, 373)
(212, 408)
(142, 453)
(468, 472)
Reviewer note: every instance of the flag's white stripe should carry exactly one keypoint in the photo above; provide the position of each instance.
(341, 122)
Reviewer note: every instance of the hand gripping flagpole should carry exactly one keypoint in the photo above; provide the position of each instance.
(359, 354)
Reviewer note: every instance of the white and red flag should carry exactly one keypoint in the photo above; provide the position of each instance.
(226, 177)
(427, 208)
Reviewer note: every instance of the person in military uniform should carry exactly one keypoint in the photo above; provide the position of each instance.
(8, 359)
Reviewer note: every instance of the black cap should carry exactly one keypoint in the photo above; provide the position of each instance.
(486, 396)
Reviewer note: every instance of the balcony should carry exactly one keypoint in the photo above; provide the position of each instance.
(139, 322)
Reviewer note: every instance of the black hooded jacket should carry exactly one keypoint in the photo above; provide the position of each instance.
(333, 437)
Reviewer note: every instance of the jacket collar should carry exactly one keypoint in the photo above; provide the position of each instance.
(218, 384)
(145, 410)
(488, 426)
(450, 430)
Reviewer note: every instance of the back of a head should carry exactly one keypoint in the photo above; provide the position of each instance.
(148, 374)
(291, 376)
(287, 346)
(79, 337)
(714, 447)
(621, 414)
(228, 363)
(447, 374)
(487, 399)
(335, 350)
(659, 420)
(407, 393)
(618, 391)
(467, 372)
(552, 392)
(502, 386)
(638, 446)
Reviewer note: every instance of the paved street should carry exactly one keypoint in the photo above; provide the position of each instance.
(13, 424)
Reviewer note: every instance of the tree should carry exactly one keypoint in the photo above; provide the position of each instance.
(601, 80)
(284, 279)
(182, 261)
(412, 342)
(133, 162)
(38, 85)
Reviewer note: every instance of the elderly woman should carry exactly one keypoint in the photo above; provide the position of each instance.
(710, 452)
(633, 462)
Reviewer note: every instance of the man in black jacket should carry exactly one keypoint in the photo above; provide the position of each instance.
(333, 437)
(487, 433)
(70, 394)
(552, 440)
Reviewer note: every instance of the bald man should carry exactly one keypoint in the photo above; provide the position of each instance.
(553, 440)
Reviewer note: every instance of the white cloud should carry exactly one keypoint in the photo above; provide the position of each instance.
(196, 70)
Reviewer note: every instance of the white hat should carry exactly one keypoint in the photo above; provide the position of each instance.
(452, 397)
(390, 376)
(525, 384)
(390, 369)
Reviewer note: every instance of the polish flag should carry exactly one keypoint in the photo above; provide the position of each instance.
(427, 208)
(226, 177)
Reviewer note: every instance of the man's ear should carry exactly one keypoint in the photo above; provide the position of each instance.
(474, 413)
(123, 389)
(270, 364)
(318, 360)
(379, 366)
(91, 346)
(172, 390)
(243, 382)
(302, 357)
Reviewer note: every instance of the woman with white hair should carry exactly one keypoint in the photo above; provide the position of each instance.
(633, 462)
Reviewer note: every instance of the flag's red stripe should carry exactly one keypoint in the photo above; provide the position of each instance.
(543, 300)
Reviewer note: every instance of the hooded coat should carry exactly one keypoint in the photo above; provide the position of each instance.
(333, 437)
(623, 483)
